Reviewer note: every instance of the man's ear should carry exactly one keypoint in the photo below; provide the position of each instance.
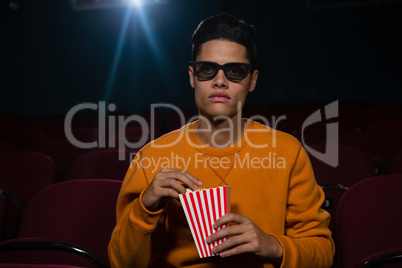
(191, 75)
(253, 82)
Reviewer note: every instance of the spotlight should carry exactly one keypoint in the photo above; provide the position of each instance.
(95, 4)
(146, 2)
(136, 3)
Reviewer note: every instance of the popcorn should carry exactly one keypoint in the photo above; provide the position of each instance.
(202, 208)
(188, 190)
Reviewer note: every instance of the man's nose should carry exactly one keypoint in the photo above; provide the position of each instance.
(220, 80)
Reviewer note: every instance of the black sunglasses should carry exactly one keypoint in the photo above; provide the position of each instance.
(232, 70)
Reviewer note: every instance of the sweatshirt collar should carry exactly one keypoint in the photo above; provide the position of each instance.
(189, 131)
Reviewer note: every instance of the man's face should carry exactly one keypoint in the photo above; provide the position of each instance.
(220, 96)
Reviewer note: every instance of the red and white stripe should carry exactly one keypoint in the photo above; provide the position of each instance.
(202, 209)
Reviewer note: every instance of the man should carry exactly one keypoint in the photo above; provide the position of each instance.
(275, 218)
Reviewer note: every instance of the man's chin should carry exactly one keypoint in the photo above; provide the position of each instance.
(217, 116)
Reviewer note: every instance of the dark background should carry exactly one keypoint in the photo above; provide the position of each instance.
(54, 57)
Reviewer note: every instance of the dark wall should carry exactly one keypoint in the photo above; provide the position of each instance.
(53, 57)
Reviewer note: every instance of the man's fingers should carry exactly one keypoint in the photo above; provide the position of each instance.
(168, 183)
(190, 176)
(230, 217)
(183, 177)
(239, 241)
(234, 251)
(171, 183)
(233, 230)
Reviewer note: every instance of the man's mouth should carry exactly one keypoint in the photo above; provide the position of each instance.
(219, 97)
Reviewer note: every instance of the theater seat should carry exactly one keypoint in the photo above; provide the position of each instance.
(80, 213)
(63, 154)
(369, 219)
(353, 166)
(102, 164)
(391, 258)
(23, 174)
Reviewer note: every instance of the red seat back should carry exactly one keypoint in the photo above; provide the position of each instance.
(63, 153)
(23, 174)
(353, 166)
(79, 212)
(101, 164)
(369, 218)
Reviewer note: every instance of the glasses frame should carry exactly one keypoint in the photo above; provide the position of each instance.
(193, 64)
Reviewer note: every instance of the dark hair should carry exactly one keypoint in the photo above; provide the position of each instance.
(225, 27)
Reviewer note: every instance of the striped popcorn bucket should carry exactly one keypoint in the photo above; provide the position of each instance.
(202, 208)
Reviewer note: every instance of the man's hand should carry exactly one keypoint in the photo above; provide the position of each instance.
(167, 184)
(244, 236)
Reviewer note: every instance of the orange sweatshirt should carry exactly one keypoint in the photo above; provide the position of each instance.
(272, 183)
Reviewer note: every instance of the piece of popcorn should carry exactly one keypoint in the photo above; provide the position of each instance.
(188, 190)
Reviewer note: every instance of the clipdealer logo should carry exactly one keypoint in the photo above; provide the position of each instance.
(108, 136)
(109, 124)
(331, 155)
(200, 161)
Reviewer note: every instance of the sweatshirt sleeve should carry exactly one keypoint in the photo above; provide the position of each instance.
(307, 241)
(130, 244)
